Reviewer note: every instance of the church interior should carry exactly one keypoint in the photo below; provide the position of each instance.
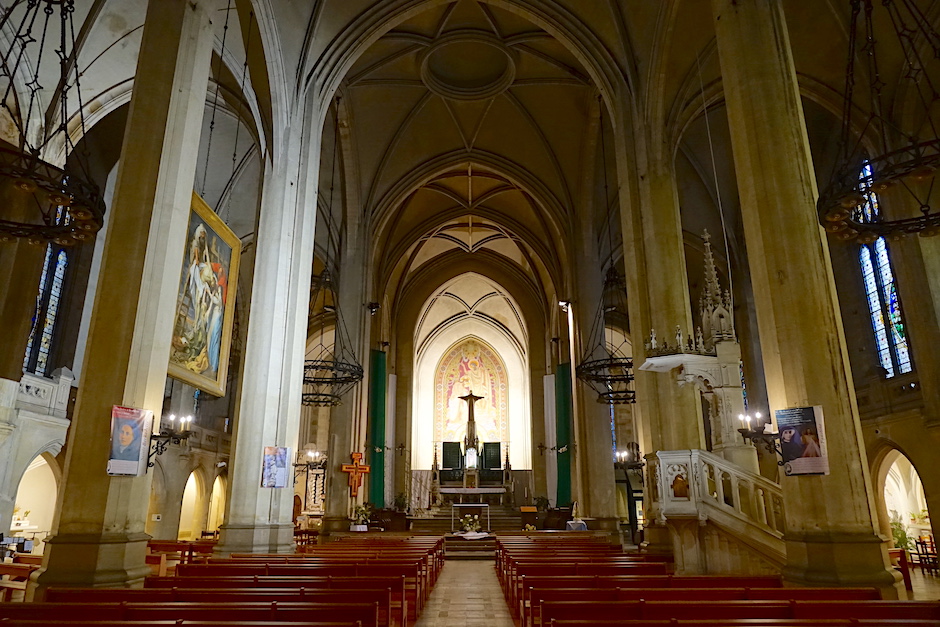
(661, 276)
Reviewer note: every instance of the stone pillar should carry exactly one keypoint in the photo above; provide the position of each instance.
(668, 416)
(347, 421)
(593, 473)
(259, 520)
(832, 531)
(98, 534)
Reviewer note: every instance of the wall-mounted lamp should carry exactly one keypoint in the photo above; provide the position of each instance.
(564, 304)
(400, 448)
(174, 431)
(758, 434)
(373, 308)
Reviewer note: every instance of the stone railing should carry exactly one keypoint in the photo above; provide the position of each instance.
(700, 484)
(46, 396)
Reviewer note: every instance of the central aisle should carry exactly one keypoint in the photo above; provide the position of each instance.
(466, 593)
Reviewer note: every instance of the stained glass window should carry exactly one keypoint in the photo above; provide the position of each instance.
(881, 288)
(47, 310)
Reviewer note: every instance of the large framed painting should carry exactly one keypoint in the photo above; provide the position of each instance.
(205, 304)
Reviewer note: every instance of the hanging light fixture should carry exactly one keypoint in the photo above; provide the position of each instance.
(333, 369)
(606, 365)
(42, 202)
(906, 159)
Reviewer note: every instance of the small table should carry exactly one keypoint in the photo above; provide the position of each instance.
(575, 525)
(473, 505)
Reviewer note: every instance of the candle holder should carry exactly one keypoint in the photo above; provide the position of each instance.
(175, 432)
(759, 434)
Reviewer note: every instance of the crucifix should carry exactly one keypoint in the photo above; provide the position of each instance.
(356, 471)
(471, 443)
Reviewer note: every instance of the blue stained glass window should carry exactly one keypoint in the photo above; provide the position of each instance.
(34, 325)
(41, 334)
(881, 288)
(874, 308)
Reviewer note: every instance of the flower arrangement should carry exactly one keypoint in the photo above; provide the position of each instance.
(362, 513)
(529, 527)
(470, 522)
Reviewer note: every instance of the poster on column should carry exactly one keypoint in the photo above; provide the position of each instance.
(803, 440)
(205, 304)
(130, 441)
(275, 466)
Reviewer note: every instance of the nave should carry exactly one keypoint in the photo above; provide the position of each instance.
(490, 215)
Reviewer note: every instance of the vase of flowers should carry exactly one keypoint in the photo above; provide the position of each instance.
(470, 523)
(361, 515)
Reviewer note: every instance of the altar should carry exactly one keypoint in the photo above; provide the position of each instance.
(478, 492)
(470, 470)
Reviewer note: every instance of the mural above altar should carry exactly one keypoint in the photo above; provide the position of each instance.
(471, 364)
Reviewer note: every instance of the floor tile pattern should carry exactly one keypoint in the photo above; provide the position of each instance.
(467, 593)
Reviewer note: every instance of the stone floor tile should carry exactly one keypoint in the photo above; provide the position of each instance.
(467, 594)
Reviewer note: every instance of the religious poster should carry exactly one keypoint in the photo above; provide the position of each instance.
(205, 304)
(130, 441)
(275, 469)
(802, 440)
(471, 365)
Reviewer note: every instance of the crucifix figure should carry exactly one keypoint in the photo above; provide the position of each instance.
(356, 470)
(471, 443)
(471, 439)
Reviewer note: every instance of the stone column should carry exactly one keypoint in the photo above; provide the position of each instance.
(832, 532)
(98, 534)
(668, 416)
(259, 520)
(593, 473)
(347, 421)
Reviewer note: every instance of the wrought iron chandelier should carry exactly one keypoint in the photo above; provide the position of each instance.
(605, 365)
(907, 157)
(43, 202)
(333, 369)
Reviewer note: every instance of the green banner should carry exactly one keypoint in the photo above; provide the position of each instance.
(376, 439)
(563, 409)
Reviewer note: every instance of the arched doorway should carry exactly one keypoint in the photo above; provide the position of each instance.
(34, 506)
(904, 499)
(190, 525)
(216, 505)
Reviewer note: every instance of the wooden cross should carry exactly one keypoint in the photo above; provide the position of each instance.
(356, 471)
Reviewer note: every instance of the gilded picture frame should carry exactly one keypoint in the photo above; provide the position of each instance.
(205, 304)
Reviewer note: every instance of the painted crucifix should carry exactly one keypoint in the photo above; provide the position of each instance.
(356, 470)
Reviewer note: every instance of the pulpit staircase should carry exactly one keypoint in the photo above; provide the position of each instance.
(734, 517)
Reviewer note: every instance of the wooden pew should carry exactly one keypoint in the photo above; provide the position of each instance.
(516, 577)
(679, 609)
(746, 622)
(400, 592)
(366, 614)
(23, 622)
(656, 581)
(531, 614)
(80, 596)
(414, 576)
